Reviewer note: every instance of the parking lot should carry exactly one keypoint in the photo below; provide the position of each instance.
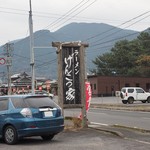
(84, 139)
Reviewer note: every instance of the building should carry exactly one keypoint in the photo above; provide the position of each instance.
(111, 85)
(21, 83)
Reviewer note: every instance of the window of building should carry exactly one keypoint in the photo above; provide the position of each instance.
(91, 86)
(94, 86)
(127, 85)
(148, 86)
(137, 85)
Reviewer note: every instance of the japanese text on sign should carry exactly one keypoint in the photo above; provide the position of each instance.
(71, 76)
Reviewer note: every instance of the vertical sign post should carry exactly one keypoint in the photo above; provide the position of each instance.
(8, 47)
(71, 76)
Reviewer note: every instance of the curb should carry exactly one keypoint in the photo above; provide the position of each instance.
(132, 128)
(105, 129)
(123, 130)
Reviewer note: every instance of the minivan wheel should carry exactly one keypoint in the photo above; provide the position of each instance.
(148, 100)
(121, 95)
(124, 101)
(10, 135)
(130, 100)
(47, 137)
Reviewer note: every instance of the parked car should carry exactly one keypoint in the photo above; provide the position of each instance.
(42, 92)
(131, 94)
(20, 92)
(26, 115)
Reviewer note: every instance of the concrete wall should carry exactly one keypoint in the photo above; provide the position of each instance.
(107, 85)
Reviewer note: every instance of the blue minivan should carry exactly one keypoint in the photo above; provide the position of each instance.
(26, 115)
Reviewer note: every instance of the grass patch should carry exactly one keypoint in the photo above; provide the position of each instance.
(73, 122)
(129, 107)
(131, 128)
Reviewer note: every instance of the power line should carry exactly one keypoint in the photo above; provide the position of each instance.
(81, 10)
(110, 46)
(75, 14)
(37, 60)
(68, 13)
(8, 12)
(45, 54)
(119, 38)
(113, 28)
(98, 49)
(120, 29)
(46, 63)
(38, 14)
(13, 9)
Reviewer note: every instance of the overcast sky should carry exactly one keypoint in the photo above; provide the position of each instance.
(53, 14)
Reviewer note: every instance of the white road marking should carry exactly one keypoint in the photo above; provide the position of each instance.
(102, 124)
(144, 142)
(146, 118)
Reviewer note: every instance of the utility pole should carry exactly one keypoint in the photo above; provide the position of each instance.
(8, 49)
(31, 48)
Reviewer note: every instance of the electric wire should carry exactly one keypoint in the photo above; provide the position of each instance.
(74, 15)
(116, 26)
(119, 30)
(68, 14)
(107, 31)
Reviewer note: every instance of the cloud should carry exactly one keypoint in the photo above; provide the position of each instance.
(14, 14)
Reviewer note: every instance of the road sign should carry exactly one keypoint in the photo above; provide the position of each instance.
(2, 61)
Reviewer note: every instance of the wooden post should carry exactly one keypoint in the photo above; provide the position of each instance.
(59, 73)
(82, 81)
(59, 51)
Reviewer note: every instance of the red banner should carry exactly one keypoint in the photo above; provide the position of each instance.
(88, 93)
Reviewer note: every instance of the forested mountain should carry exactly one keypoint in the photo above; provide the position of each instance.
(126, 58)
(101, 38)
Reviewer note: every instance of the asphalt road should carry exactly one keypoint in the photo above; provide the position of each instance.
(88, 139)
(85, 139)
(113, 100)
(134, 119)
(106, 100)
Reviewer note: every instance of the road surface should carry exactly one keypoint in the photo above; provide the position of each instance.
(133, 119)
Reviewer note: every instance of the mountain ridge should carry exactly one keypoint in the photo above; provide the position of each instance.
(46, 57)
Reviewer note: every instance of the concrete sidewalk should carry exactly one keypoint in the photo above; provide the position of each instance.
(106, 100)
(139, 135)
(130, 134)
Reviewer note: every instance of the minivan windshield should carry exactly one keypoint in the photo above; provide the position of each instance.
(40, 102)
(34, 102)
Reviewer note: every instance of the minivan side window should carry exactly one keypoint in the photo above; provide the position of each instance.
(3, 104)
(123, 90)
(130, 90)
(139, 91)
(18, 102)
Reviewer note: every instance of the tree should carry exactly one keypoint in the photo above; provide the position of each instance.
(102, 64)
(126, 58)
